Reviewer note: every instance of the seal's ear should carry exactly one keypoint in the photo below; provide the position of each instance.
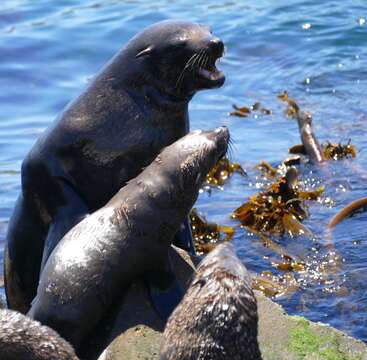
(145, 51)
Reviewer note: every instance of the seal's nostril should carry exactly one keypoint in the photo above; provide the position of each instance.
(217, 46)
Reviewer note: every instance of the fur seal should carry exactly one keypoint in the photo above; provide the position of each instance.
(135, 106)
(24, 339)
(217, 319)
(130, 236)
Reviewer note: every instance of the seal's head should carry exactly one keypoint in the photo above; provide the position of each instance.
(217, 318)
(179, 57)
(22, 338)
(180, 169)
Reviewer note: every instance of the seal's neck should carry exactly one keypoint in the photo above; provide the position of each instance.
(163, 100)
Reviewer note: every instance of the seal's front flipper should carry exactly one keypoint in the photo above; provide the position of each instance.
(23, 254)
(66, 217)
(183, 239)
(164, 290)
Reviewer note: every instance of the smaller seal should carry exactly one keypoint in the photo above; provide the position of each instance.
(24, 339)
(217, 319)
(128, 238)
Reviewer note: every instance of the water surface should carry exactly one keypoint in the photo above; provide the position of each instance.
(316, 50)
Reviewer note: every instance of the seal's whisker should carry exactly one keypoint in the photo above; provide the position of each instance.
(231, 149)
(202, 60)
(196, 61)
(207, 58)
(229, 153)
(193, 64)
(187, 65)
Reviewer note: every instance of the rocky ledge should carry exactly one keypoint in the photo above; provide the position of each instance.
(281, 337)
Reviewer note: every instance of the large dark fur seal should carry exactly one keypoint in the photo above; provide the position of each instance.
(24, 339)
(217, 319)
(137, 105)
(96, 260)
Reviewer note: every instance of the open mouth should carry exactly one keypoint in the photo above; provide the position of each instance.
(211, 74)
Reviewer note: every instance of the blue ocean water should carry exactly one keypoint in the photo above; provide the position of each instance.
(316, 50)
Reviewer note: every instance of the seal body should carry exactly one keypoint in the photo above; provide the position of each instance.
(217, 319)
(135, 106)
(24, 339)
(130, 236)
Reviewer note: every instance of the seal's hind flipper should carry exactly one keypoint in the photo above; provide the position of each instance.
(23, 254)
(183, 239)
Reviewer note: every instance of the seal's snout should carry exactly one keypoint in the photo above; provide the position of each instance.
(222, 133)
(217, 47)
(208, 71)
(221, 138)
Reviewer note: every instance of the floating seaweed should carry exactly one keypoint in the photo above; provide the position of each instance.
(289, 263)
(223, 170)
(265, 111)
(280, 208)
(339, 151)
(275, 285)
(292, 108)
(267, 169)
(245, 111)
(297, 149)
(331, 151)
(310, 146)
(207, 235)
(256, 106)
(271, 172)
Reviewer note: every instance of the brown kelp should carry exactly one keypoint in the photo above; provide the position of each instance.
(207, 235)
(244, 111)
(331, 151)
(275, 285)
(339, 151)
(347, 211)
(310, 143)
(222, 171)
(281, 207)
